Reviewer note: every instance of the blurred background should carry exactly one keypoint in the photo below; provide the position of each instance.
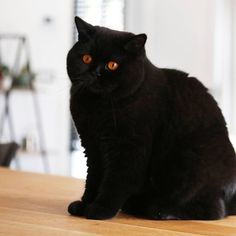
(198, 37)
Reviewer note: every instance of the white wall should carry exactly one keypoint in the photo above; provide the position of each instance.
(195, 36)
(49, 42)
(233, 107)
(180, 33)
(49, 45)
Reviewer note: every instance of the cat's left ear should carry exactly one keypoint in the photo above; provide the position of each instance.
(85, 29)
(136, 43)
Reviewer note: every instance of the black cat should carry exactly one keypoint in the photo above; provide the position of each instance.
(156, 142)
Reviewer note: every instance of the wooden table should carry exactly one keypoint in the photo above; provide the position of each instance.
(34, 204)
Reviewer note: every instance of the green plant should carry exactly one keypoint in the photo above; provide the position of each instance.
(4, 70)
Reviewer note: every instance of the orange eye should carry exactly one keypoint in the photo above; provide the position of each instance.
(87, 59)
(112, 65)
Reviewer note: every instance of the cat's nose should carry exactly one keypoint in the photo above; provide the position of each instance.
(96, 73)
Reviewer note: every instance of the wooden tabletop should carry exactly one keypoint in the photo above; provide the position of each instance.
(34, 204)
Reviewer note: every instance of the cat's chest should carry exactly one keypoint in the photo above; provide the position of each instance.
(92, 120)
(113, 119)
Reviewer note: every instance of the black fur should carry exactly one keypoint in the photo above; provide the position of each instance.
(156, 142)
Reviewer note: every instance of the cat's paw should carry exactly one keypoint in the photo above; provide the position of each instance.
(98, 212)
(161, 216)
(154, 214)
(77, 208)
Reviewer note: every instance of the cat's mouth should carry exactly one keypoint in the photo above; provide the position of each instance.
(100, 85)
(94, 83)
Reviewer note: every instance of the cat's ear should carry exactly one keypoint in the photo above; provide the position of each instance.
(85, 30)
(136, 43)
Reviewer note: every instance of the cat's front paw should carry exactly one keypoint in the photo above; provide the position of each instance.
(98, 212)
(161, 216)
(77, 208)
(154, 214)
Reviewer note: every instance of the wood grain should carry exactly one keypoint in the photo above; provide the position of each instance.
(35, 204)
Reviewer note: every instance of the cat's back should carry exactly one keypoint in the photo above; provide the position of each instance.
(190, 100)
(180, 82)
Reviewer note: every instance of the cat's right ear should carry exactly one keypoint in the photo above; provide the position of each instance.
(85, 30)
(136, 43)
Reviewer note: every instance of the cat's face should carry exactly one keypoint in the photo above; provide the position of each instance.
(105, 61)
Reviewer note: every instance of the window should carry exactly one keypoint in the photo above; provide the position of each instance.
(108, 13)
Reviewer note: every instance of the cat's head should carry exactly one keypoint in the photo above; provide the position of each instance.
(105, 61)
